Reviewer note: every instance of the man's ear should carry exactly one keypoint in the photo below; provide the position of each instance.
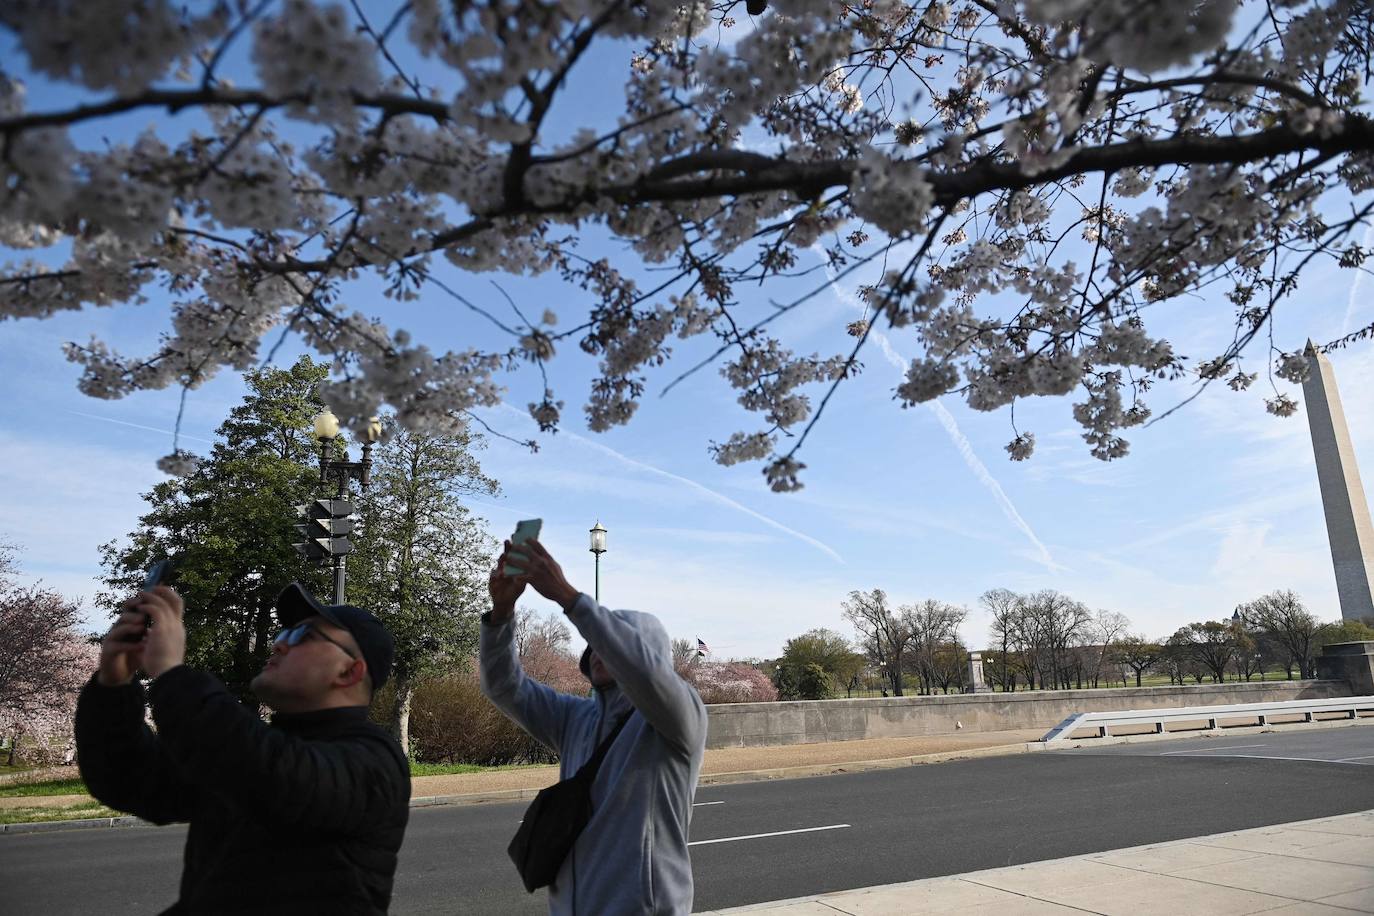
(353, 674)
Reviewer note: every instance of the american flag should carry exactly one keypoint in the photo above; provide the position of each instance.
(702, 648)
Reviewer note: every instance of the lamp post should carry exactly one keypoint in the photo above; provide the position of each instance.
(342, 470)
(598, 541)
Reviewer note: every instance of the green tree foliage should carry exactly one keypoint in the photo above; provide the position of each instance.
(229, 523)
(422, 558)
(1343, 631)
(814, 665)
(803, 682)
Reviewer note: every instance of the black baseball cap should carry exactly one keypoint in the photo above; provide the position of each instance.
(295, 604)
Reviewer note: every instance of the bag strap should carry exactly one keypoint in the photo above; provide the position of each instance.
(593, 764)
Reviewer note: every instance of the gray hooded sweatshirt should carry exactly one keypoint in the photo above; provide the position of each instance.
(632, 856)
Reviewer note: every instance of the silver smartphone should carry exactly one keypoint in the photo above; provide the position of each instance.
(524, 531)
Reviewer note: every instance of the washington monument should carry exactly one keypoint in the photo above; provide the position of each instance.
(1347, 513)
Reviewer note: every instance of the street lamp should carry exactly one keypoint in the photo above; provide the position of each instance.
(326, 427)
(598, 541)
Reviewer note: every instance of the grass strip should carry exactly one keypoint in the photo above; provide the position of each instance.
(51, 787)
(91, 808)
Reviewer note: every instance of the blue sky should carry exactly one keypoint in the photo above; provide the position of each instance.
(1215, 505)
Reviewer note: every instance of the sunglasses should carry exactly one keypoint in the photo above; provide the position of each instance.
(293, 636)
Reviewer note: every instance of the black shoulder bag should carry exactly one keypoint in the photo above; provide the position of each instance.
(555, 819)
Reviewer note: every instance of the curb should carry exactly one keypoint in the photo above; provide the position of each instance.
(822, 769)
(124, 820)
(861, 766)
(1318, 725)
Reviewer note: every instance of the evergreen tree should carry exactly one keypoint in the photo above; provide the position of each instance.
(229, 523)
(422, 558)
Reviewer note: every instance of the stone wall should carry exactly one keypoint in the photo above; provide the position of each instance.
(1352, 662)
(814, 721)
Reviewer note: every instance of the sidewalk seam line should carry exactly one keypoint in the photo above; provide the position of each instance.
(1023, 894)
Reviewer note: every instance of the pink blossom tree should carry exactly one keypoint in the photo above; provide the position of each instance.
(730, 682)
(1015, 182)
(45, 659)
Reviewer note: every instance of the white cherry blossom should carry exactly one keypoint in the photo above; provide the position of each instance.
(1011, 184)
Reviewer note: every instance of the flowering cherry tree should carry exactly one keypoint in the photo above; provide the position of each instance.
(44, 661)
(1018, 182)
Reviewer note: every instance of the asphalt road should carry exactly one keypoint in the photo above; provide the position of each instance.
(853, 830)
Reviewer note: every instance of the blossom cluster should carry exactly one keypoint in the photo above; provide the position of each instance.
(1176, 150)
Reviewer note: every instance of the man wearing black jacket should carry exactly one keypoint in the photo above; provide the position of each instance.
(304, 815)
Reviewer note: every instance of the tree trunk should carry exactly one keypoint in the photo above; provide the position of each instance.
(399, 720)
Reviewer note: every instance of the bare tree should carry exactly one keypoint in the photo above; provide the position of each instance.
(1249, 661)
(542, 641)
(949, 666)
(1212, 645)
(932, 623)
(685, 655)
(1006, 609)
(1055, 623)
(1282, 615)
(885, 636)
(1137, 653)
(1106, 628)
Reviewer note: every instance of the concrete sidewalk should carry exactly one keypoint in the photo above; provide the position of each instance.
(1317, 867)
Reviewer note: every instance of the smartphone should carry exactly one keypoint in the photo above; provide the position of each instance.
(156, 573)
(524, 531)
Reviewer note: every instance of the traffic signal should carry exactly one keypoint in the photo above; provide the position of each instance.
(325, 525)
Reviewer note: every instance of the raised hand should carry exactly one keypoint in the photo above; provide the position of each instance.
(121, 650)
(544, 574)
(505, 590)
(164, 646)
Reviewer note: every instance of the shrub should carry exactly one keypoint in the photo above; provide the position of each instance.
(451, 722)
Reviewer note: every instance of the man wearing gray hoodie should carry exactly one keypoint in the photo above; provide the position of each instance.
(632, 856)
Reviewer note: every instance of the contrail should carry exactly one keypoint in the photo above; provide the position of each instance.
(975, 464)
(704, 490)
(956, 435)
(151, 429)
(1355, 284)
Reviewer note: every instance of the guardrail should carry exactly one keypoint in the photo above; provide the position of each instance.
(1104, 722)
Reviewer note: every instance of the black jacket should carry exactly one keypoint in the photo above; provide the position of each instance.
(304, 815)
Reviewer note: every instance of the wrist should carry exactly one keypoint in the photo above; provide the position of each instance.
(156, 671)
(567, 597)
(108, 680)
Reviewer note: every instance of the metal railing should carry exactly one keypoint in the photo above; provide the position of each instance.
(1104, 722)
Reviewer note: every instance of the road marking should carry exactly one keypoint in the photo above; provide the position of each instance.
(704, 804)
(1233, 747)
(1275, 757)
(1348, 759)
(759, 836)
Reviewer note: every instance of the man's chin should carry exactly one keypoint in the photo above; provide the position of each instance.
(261, 685)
